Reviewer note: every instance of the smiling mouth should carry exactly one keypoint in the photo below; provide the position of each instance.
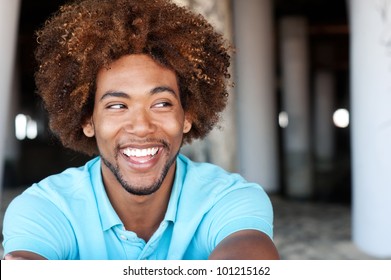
(140, 155)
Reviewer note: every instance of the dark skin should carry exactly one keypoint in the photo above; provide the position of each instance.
(137, 108)
(245, 245)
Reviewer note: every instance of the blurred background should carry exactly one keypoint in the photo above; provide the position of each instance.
(308, 118)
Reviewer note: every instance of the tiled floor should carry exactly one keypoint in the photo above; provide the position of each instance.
(302, 230)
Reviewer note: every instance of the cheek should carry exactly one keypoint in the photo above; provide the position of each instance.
(105, 131)
(174, 128)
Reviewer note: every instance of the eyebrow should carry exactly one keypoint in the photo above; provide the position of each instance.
(114, 94)
(163, 89)
(125, 95)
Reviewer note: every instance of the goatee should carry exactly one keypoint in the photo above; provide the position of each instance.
(140, 190)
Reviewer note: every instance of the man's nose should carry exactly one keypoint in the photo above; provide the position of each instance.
(140, 123)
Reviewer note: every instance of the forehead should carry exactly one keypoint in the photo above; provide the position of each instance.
(135, 71)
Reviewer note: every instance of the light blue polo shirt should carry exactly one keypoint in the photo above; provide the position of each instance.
(69, 216)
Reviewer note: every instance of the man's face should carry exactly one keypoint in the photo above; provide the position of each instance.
(138, 123)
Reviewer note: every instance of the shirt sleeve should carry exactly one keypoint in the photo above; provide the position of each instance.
(33, 223)
(243, 208)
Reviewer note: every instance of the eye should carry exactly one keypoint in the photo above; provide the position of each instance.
(116, 106)
(163, 104)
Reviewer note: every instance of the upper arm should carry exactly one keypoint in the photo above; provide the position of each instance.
(245, 245)
(34, 226)
(244, 210)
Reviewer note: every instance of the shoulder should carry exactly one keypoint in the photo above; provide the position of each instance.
(222, 194)
(213, 181)
(56, 190)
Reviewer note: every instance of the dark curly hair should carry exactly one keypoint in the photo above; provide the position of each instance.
(84, 36)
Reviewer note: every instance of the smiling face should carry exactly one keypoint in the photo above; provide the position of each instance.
(138, 123)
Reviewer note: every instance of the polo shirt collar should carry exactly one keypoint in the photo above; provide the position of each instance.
(109, 217)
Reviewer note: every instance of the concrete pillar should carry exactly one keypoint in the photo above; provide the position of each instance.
(324, 131)
(219, 147)
(256, 94)
(295, 102)
(324, 91)
(9, 16)
(370, 25)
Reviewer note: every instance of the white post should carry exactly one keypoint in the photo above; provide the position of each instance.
(255, 90)
(295, 102)
(370, 25)
(9, 16)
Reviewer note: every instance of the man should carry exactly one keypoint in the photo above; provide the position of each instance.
(131, 81)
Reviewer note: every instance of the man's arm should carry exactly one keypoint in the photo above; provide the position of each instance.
(23, 255)
(245, 245)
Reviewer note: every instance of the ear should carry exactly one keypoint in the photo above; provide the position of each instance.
(88, 128)
(187, 124)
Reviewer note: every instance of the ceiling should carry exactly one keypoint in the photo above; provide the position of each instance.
(317, 11)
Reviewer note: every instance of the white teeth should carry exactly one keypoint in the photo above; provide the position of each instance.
(140, 152)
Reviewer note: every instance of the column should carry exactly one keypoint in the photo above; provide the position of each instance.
(255, 92)
(9, 16)
(370, 25)
(324, 130)
(295, 102)
(323, 117)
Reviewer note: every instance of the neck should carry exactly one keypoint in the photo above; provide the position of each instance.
(141, 214)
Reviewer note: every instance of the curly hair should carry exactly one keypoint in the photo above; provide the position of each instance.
(84, 36)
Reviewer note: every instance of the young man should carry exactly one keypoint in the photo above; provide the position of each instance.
(132, 81)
